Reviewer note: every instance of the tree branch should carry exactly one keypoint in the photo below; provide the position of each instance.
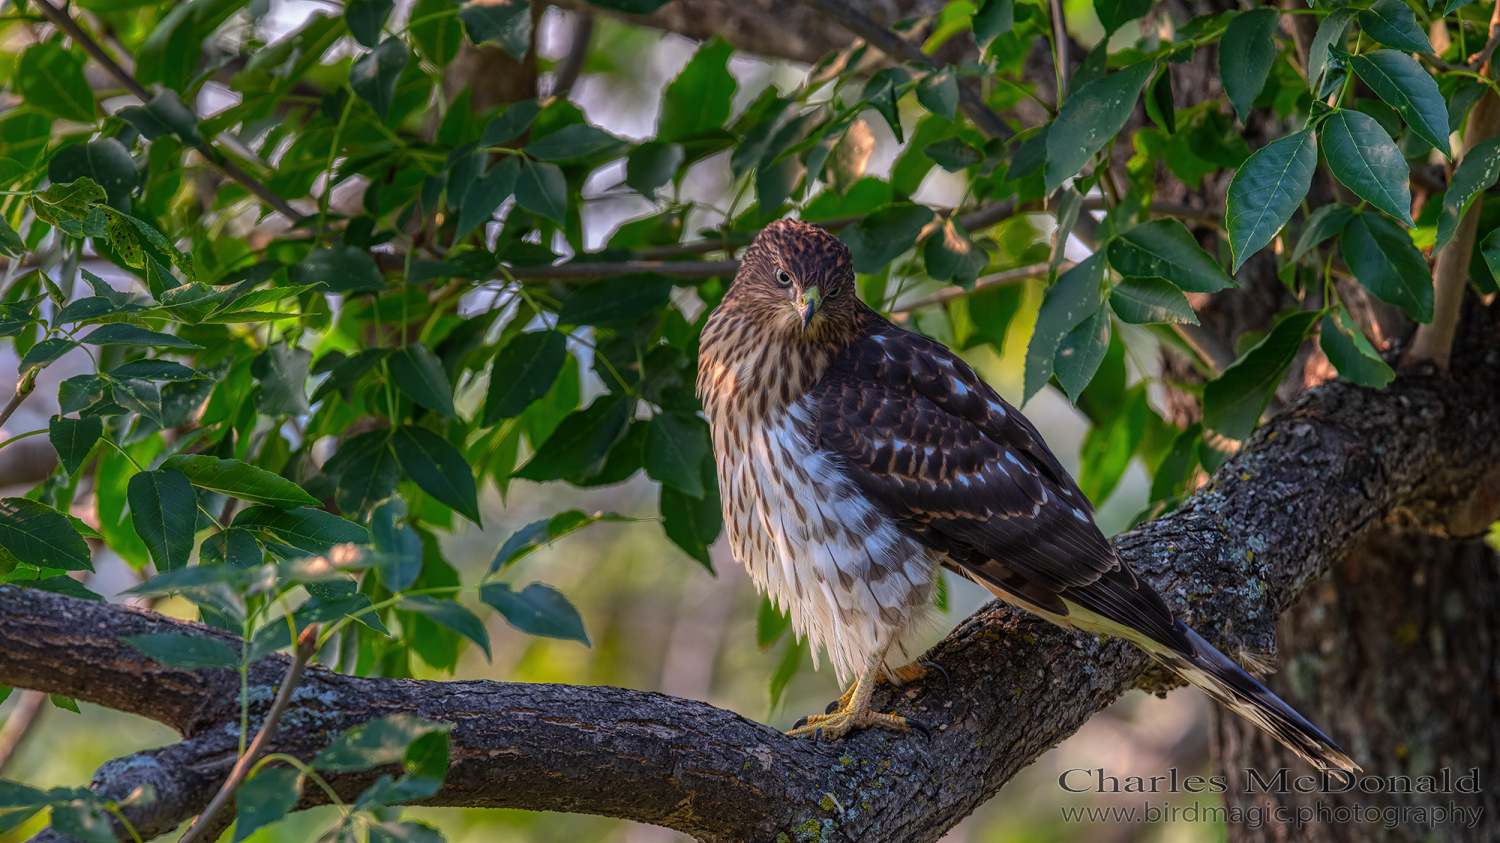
(62, 21)
(1341, 460)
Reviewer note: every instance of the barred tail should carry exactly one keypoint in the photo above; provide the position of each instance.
(1226, 682)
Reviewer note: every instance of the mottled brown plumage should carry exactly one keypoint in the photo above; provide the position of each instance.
(855, 458)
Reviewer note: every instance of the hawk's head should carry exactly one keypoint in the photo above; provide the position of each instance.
(797, 278)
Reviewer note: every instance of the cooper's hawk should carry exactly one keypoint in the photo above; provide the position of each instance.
(854, 458)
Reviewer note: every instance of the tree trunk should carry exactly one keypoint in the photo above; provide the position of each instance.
(1397, 652)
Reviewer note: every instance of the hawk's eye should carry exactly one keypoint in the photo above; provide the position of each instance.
(783, 278)
(833, 293)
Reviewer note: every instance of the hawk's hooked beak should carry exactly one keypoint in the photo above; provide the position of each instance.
(808, 305)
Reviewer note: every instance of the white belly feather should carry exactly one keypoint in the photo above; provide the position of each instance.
(852, 582)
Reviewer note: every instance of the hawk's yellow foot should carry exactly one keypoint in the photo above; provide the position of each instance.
(852, 711)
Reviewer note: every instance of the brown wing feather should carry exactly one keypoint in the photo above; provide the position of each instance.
(968, 476)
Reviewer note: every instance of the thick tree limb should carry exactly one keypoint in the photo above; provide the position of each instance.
(1304, 489)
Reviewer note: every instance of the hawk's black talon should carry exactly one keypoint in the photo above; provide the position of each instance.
(818, 735)
(947, 680)
(832, 707)
(922, 727)
(801, 721)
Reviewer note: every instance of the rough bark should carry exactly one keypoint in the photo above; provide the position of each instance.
(1304, 491)
(1397, 651)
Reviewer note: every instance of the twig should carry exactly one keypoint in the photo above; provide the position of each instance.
(898, 48)
(578, 51)
(23, 389)
(1060, 39)
(306, 646)
(62, 21)
(28, 705)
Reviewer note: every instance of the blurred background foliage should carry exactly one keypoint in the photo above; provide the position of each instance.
(439, 269)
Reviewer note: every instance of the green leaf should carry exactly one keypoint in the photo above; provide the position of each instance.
(164, 511)
(536, 609)
(139, 397)
(573, 142)
(542, 190)
(1366, 160)
(438, 468)
(240, 480)
(312, 530)
(506, 24)
(66, 201)
(52, 81)
(45, 353)
(884, 234)
(375, 74)
(165, 114)
(1402, 83)
(344, 269)
(1332, 32)
(397, 543)
(450, 614)
(189, 652)
(436, 30)
(1233, 402)
(938, 92)
(993, 18)
(39, 535)
(123, 333)
(510, 123)
(484, 195)
(542, 533)
(152, 370)
(1392, 23)
(1114, 14)
(1142, 301)
(365, 19)
(699, 99)
(1327, 221)
(1383, 258)
(235, 547)
(272, 792)
(950, 255)
(1476, 173)
(1074, 298)
(1490, 249)
(581, 442)
(770, 623)
(74, 439)
(523, 371)
(376, 743)
(785, 672)
(1347, 349)
(1089, 119)
(1246, 53)
(953, 155)
(366, 472)
(653, 164)
(1159, 105)
(80, 819)
(1266, 191)
(419, 373)
(282, 371)
(1166, 249)
(1081, 352)
(106, 162)
(617, 301)
(677, 444)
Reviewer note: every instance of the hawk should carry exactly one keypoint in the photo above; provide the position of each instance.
(855, 458)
